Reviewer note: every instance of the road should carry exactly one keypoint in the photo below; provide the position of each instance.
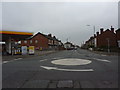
(64, 69)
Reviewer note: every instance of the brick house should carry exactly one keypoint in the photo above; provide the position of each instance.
(68, 46)
(53, 42)
(90, 42)
(40, 41)
(105, 38)
(50, 41)
(118, 37)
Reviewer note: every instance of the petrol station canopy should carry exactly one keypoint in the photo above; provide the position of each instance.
(16, 35)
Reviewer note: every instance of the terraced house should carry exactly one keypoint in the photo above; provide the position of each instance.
(104, 39)
(42, 42)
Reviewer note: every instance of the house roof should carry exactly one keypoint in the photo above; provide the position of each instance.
(47, 36)
(68, 43)
(107, 30)
(118, 30)
(36, 35)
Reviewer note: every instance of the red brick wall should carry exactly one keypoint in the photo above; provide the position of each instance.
(118, 35)
(101, 39)
(42, 42)
(25, 44)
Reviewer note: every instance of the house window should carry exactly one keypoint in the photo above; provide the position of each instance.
(119, 43)
(52, 41)
(36, 41)
(25, 42)
(30, 41)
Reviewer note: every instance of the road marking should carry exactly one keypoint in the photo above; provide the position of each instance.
(103, 55)
(56, 58)
(17, 58)
(5, 62)
(11, 60)
(71, 61)
(101, 60)
(43, 60)
(55, 68)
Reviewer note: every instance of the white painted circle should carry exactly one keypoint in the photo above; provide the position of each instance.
(71, 61)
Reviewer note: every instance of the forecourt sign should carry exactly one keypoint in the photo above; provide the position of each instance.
(31, 50)
(24, 50)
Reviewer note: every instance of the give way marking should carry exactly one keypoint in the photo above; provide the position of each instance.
(55, 68)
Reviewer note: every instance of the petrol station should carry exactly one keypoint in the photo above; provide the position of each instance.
(11, 39)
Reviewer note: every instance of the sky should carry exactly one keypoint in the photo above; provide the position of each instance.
(65, 20)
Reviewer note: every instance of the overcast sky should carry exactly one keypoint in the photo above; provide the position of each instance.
(62, 19)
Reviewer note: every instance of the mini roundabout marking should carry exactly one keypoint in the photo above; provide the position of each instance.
(69, 62)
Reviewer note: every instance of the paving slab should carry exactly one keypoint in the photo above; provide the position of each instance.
(36, 84)
(107, 84)
(76, 84)
(53, 84)
(17, 79)
(87, 84)
(65, 84)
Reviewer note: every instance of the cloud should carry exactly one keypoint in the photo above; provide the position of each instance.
(62, 19)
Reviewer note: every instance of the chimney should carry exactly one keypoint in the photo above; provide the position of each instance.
(112, 29)
(97, 33)
(94, 35)
(101, 30)
(54, 37)
(50, 35)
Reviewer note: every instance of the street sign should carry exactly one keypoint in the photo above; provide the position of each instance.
(31, 50)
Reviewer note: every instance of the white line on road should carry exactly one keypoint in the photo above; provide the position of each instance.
(101, 60)
(5, 62)
(56, 58)
(55, 68)
(43, 60)
(11, 60)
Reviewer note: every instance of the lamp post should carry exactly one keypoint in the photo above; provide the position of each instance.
(93, 42)
(108, 42)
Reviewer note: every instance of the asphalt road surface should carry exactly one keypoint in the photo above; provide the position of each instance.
(64, 69)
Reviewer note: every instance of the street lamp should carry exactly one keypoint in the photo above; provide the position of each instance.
(108, 42)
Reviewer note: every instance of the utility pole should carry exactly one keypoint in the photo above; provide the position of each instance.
(67, 39)
(108, 41)
(94, 30)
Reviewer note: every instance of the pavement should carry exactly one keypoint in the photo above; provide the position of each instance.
(17, 57)
(106, 53)
(55, 70)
